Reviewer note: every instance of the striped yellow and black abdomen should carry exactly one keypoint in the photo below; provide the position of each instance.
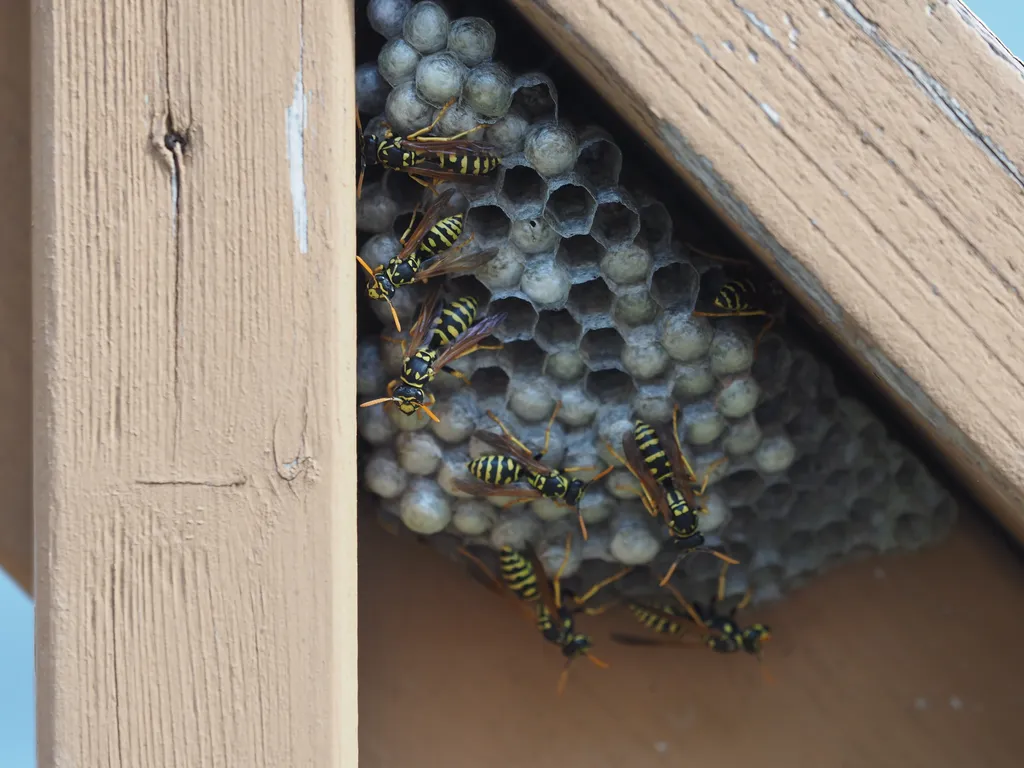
(454, 320)
(653, 452)
(441, 236)
(468, 164)
(521, 578)
(736, 296)
(654, 621)
(495, 469)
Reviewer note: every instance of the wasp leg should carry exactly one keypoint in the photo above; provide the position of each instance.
(457, 374)
(508, 434)
(690, 610)
(417, 134)
(557, 581)
(601, 585)
(412, 221)
(547, 433)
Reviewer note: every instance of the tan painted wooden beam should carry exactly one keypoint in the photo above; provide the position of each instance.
(195, 332)
(15, 293)
(873, 156)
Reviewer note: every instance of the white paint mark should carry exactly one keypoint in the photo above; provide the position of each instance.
(661, 746)
(823, 13)
(772, 114)
(752, 55)
(174, 198)
(295, 118)
(728, 46)
(753, 19)
(794, 33)
(920, 703)
(929, 9)
(956, 703)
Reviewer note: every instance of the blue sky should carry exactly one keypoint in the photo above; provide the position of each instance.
(17, 714)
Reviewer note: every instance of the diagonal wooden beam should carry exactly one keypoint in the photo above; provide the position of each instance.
(866, 151)
(194, 328)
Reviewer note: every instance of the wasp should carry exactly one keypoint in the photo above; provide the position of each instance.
(668, 485)
(441, 335)
(438, 158)
(725, 295)
(720, 630)
(428, 251)
(554, 608)
(492, 473)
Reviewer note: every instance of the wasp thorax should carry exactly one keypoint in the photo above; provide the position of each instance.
(575, 492)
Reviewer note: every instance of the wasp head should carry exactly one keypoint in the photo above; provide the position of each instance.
(575, 493)
(380, 288)
(754, 636)
(576, 645)
(409, 399)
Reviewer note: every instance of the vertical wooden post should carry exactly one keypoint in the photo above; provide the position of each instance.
(194, 323)
(15, 312)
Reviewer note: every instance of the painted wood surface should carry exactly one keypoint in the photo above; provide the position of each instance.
(194, 344)
(870, 152)
(895, 662)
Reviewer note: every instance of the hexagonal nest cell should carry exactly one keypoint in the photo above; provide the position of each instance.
(523, 191)
(570, 210)
(581, 255)
(602, 348)
(590, 302)
(614, 224)
(557, 329)
(598, 286)
(520, 320)
(487, 223)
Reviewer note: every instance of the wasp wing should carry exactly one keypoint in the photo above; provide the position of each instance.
(454, 261)
(547, 596)
(429, 310)
(636, 465)
(476, 487)
(436, 145)
(431, 216)
(468, 341)
(436, 173)
(683, 477)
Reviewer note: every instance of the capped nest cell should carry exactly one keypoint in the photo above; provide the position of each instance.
(599, 297)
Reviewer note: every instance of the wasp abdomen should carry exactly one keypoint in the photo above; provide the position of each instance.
(495, 470)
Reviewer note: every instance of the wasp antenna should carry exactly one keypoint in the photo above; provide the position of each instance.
(726, 558)
(597, 662)
(394, 315)
(376, 402)
(366, 266)
(563, 679)
(430, 413)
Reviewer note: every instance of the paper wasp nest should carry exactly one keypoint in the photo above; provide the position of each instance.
(599, 299)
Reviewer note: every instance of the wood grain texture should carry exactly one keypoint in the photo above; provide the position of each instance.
(15, 293)
(195, 332)
(870, 152)
(896, 662)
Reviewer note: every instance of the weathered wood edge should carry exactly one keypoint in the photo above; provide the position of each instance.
(992, 487)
